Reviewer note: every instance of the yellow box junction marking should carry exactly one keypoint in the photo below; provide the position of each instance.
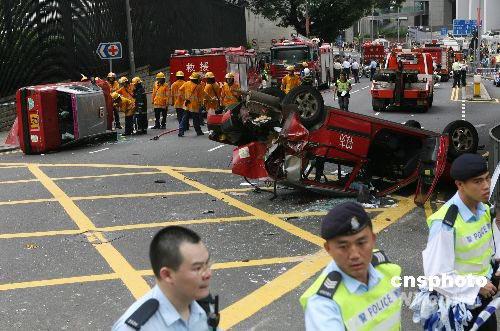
(129, 276)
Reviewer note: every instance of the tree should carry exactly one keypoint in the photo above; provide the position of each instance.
(327, 17)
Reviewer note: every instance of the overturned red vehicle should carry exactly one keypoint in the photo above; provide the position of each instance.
(299, 142)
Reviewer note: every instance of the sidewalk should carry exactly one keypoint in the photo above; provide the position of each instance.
(469, 93)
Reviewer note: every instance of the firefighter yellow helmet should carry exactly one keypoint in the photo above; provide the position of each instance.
(111, 75)
(123, 80)
(304, 64)
(229, 75)
(136, 80)
(115, 96)
(194, 75)
(290, 68)
(179, 74)
(160, 75)
(209, 75)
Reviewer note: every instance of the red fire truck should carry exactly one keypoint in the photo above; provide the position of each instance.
(440, 57)
(238, 60)
(295, 52)
(373, 50)
(406, 81)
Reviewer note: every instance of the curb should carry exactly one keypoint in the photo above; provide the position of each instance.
(485, 96)
(7, 148)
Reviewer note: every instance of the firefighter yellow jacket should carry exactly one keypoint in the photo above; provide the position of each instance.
(193, 94)
(230, 94)
(161, 95)
(213, 93)
(126, 92)
(176, 99)
(289, 82)
(126, 106)
(113, 86)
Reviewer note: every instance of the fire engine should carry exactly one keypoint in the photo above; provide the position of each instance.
(406, 81)
(238, 60)
(441, 57)
(295, 52)
(373, 50)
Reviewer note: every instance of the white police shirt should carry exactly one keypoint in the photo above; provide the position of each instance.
(166, 317)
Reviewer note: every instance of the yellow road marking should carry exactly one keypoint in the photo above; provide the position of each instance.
(276, 221)
(148, 272)
(129, 276)
(293, 278)
(184, 169)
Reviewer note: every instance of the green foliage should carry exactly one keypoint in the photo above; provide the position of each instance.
(328, 17)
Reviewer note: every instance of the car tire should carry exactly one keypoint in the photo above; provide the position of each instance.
(311, 106)
(413, 124)
(378, 105)
(463, 138)
(274, 91)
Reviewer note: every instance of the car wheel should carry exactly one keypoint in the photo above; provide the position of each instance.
(413, 124)
(310, 104)
(378, 105)
(274, 91)
(463, 138)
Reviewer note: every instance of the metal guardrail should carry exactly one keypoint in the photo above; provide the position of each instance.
(487, 72)
(494, 158)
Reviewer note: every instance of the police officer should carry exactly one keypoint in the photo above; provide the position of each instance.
(471, 223)
(181, 265)
(357, 275)
(342, 88)
(307, 79)
(456, 73)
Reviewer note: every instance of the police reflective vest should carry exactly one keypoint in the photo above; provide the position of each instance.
(342, 86)
(229, 94)
(473, 242)
(160, 95)
(377, 309)
(289, 82)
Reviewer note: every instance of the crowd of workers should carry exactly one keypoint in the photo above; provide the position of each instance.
(189, 97)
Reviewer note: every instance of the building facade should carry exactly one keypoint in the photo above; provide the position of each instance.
(489, 11)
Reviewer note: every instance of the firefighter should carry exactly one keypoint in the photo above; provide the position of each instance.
(125, 88)
(307, 80)
(176, 98)
(141, 106)
(342, 88)
(193, 95)
(290, 81)
(212, 89)
(231, 92)
(126, 106)
(160, 97)
(355, 291)
(113, 84)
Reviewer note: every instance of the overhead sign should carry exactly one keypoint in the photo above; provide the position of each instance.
(464, 27)
(110, 51)
(444, 31)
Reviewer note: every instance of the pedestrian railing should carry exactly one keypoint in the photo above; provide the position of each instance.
(494, 159)
(487, 72)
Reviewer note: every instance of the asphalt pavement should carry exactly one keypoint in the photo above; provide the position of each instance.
(77, 223)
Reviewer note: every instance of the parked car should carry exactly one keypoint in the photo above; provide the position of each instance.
(299, 142)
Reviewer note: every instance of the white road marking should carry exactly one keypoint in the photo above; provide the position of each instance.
(99, 150)
(463, 115)
(376, 114)
(463, 111)
(365, 87)
(479, 125)
(213, 149)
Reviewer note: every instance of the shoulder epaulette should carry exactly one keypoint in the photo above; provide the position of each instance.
(379, 258)
(142, 314)
(330, 285)
(451, 215)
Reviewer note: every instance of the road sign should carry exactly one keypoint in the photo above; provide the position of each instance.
(444, 31)
(110, 51)
(463, 27)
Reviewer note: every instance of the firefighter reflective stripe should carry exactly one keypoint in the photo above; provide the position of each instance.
(377, 309)
(473, 242)
(342, 86)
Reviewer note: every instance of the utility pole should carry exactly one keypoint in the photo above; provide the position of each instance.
(130, 38)
(478, 26)
(307, 19)
(373, 13)
(398, 24)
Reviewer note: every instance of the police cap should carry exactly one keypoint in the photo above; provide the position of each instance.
(345, 219)
(468, 166)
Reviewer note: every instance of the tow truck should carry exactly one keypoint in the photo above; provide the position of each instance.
(295, 52)
(406, 81)
(239, 60)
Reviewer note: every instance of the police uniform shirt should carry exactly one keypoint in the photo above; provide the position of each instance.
(166, 317)
(467, 216)
(324, 314)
